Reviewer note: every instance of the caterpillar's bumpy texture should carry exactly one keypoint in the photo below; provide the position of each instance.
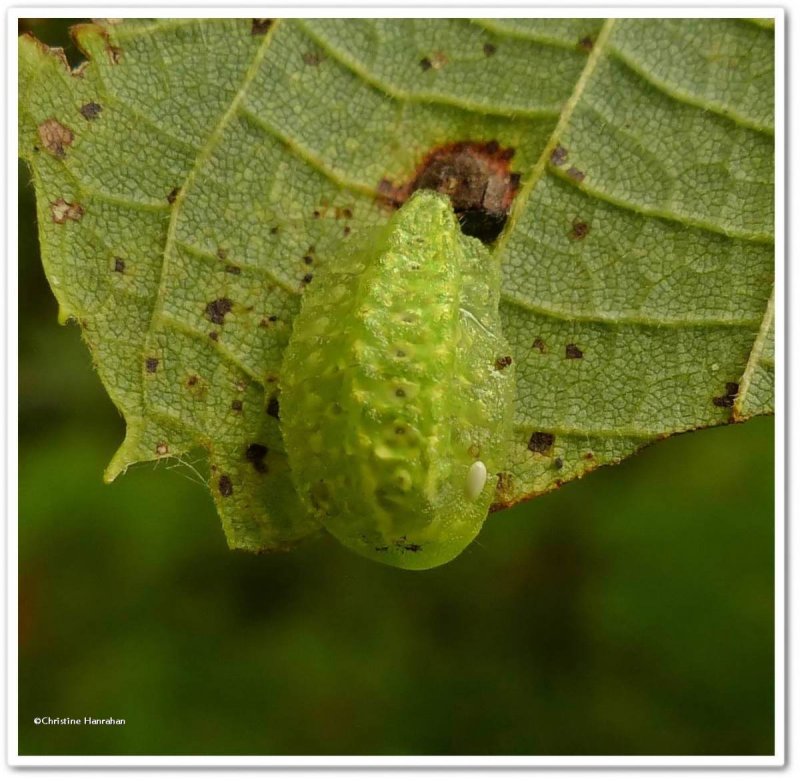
(396, 391)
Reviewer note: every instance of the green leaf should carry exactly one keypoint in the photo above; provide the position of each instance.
(193, 173)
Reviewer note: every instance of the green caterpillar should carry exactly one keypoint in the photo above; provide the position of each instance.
(397, 389)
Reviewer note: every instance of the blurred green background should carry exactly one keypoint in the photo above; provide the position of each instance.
(627, 613)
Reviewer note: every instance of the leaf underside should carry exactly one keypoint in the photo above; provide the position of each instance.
(193, 173)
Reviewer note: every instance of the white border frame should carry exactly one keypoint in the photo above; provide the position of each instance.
(8, 425)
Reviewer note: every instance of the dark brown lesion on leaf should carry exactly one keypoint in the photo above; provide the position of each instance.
(119, 265)
(91, 110)
(573, 352)
(502, 362)
(505, 483)
(261, 26)
(586, 43)
(477, 177)
(274, 408)
(729, 398)
(173, 195)
(489, 49)
(217, 309)
(580, 229)
(436, 61)
(162, 449)
(255, 454)
(541, 442)
(225, 485)
(575, 174)
(55, 137)
(538, 344)
(151, 364)
(559, 155)
(237, 405)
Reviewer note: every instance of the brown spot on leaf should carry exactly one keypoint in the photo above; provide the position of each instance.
(62, 211)
(236, 405)
(541, 442)
(538, 344)
(255, 454)
(274, 408)
(225, 485)
(580, 229)
(475, 175)
(217, 309)
(173, 194)
(438, 60)
(728, 400)
(558, 462)
(489, 49)
(192, 380)
(425, 64)
(222, 254)
(119, 265)
(559, 155)
(346, 230)
(505, 482)
(213, 336)
(151, 364)
(235, 270)
(91, 110)
(586, 43)
(307, 278)
(55, 137)
(573, 352)
(260, 26)
(575, 173)
(502, 362)
(162, 448)
(312, 58)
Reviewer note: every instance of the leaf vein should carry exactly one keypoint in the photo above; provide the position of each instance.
(430, 97)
